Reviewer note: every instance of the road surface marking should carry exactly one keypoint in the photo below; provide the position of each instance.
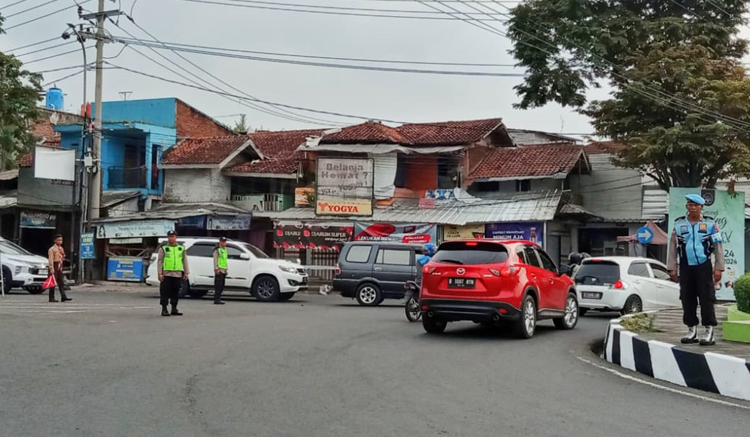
(669, 389)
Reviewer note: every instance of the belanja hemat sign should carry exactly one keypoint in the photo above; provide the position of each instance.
(344, 187)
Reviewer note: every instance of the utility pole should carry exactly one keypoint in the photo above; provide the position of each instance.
(96, 179)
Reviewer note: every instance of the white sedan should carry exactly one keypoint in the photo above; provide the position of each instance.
(625, 284)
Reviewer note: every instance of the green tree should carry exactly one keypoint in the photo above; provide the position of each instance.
(19, 93)
(241, 126)
(680, 98)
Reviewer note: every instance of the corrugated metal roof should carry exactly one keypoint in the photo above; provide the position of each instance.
(9, 175)
(8, 199)
(452, 212)
(176, 211)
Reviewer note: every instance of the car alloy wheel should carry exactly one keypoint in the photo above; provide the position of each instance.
(266, 288)
(368, 295)
(529, 317)
(571, 311)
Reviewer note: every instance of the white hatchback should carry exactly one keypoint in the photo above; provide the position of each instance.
(625, 284)
(250, 270)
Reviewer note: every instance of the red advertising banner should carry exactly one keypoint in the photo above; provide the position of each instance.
(311, 236)
(399, 233)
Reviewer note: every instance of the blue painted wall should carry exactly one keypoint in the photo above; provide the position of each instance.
(157, 112)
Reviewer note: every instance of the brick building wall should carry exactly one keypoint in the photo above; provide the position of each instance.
(194, 124)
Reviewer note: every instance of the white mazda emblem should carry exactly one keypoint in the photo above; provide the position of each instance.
(460, 271)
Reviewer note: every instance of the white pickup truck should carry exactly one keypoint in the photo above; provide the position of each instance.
(250, 270)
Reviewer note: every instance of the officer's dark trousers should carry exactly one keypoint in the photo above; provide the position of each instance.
(697, 285)
(219, 281)
(170, 291)
(60, 280)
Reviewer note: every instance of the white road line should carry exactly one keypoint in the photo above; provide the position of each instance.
(661, 387)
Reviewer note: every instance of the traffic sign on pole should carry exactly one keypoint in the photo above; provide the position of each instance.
(644, 235)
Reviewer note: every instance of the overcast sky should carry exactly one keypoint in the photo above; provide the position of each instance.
(372, 94)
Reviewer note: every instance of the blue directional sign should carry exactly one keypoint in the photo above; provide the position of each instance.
(644, 235)
(87, 245)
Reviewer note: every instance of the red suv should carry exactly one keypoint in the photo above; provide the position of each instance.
(496, 281)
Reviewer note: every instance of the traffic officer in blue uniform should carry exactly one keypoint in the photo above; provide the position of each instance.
(694, 239)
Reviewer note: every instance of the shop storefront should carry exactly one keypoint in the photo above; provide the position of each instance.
(230, 226)
(315, 244)
(128, 245)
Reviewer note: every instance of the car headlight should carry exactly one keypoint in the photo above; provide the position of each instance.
(18, 269)
(288, 269)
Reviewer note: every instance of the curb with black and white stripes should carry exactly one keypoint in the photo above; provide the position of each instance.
(708, 371)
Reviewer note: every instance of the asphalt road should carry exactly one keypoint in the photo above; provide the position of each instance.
(108, 364)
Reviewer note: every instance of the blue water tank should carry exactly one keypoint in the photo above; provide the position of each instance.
(55, 99)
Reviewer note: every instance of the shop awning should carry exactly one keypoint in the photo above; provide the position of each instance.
(533, 207)
(176, 211)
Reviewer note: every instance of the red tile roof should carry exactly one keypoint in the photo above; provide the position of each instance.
(279, 150)
(449, 132)
(209, 151)
(602, 147)
(371, 132)
(416, 134)
(527, 161)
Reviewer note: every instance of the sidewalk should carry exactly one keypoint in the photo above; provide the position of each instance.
(722, 368)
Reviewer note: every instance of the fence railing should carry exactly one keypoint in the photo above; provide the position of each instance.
(123, 178)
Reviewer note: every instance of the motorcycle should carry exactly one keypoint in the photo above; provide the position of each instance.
(412, 309)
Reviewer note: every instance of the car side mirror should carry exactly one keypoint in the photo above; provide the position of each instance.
(565, 270)
(245, 256)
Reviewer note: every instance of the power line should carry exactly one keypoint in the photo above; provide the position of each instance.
(31, 8)
(334, 58)
(43, 50)
(326, 65)
(337, 8)
(59, 69)
(43, 16)
(54, 56)
(323, 12)
(52, 82)
(32, 44)
(267, 111)
(12, 4)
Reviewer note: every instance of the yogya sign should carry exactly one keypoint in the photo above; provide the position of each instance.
(344, 186)
(344, 207)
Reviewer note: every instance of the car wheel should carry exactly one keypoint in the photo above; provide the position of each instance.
(369, 295)
(632, 306)
(433, 326)
(198, 294)
(7, 278)
(582, 311)
(266, 289)
(35, 290)
(285, 297)
(526, 325)
(570, 319)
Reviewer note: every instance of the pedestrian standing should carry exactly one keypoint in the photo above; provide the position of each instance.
(172, 265)
(694, 239)
(220, 270)
(55, 257)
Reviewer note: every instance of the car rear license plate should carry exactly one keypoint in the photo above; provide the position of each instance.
(461, 282)
(591, 295)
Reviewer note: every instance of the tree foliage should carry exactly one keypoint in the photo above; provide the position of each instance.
(680, 98)
(19, 93)
(241, 125)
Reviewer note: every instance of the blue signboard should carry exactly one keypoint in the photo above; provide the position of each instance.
(128, 269)
(87, 245)
(516, 231)
(644, 235)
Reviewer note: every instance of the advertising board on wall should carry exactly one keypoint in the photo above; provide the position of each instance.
(728, 212)
(531, 231)
(467, 232)
(239, 222)
(135, 228)
(344, 187)
(311, 236)
(39, 220)
(397, 233)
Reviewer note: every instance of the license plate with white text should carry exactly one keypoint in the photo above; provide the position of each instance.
(461, 282)
(591, 295)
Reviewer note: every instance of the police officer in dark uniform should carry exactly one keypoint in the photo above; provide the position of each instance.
(694, 239)
(172, 266)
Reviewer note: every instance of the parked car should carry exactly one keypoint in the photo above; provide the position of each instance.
(625, 284)
(22, 268)
(374, 271)
(250, 270)
(496, 282)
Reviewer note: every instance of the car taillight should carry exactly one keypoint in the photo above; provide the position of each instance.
(338, 270)
(427, 269)
(505, 271)
(431, 269)
(619, 285)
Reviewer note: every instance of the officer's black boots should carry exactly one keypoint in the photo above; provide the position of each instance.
(164, 312)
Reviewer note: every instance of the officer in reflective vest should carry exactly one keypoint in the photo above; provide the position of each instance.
(694, 239)
(220, 270)
(172, 265)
